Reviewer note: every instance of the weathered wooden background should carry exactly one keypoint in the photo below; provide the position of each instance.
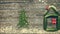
(9, 15)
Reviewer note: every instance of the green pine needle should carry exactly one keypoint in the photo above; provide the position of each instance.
(22, 20)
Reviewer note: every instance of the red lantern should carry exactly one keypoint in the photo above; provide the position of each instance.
(53, 20)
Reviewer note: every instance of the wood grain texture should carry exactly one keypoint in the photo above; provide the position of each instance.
(9, 17)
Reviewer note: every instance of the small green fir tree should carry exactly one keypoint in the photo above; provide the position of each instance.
(22, 19)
